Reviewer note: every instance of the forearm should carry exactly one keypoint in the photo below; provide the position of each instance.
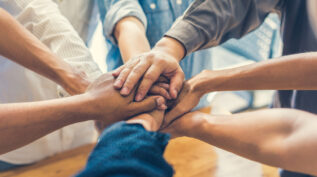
(131, 38)
(287, 73)
(275, 137)
(22, 123)
(22, 47)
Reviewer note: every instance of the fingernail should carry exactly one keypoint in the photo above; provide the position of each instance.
(159, 101)
(138, 97)
(174, 93)
(118, 83)
(124, 91)
(163, 107)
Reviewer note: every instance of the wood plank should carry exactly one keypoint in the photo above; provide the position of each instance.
(63, 165)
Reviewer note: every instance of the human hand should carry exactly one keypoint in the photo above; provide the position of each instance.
(161, 60)
(108, 105)
(188, 98)
(151, 121)
(75, 82)
(187, 124)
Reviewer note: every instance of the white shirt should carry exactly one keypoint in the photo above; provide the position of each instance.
(17, 84)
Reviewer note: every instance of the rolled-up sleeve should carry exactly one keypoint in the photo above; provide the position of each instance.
(207, 23)
(117, 10)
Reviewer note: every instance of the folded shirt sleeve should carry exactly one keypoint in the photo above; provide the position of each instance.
(117, 10)
(207, 23)
(128, 150)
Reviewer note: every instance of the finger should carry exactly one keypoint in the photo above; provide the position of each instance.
(157, 90)
(135, 75)
(148, 104)
(117, 71)
(176, 83)
(164, 85)
(124, 73)
(121, 78)
(163, 79)
(151, 75)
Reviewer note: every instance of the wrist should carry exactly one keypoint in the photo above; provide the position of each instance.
(146, 121)
(209, 81)
(171, 47)
(199, 83)
(201, 122)
(73, 83)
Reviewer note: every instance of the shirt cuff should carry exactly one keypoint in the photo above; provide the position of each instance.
(187, 34)
(119, 11)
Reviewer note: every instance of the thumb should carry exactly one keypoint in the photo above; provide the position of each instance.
(173, 114)
(148, 104)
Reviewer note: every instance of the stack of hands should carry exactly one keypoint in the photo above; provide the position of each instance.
(156, 111)
(149, 90)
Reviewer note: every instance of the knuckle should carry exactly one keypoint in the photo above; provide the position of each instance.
(150, 55)
(149, 76)
(125, 70)
(161, 61)
(137, 71)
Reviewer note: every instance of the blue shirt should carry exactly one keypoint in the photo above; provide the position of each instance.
(159, 15)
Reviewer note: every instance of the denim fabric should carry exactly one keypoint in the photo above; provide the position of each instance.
(4, 166)
(128, 150)
(285, 173)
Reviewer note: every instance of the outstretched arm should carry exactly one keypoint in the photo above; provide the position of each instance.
(279, 137)
(22, 123)
(124, 24)
(46, 22)
(22, 47)
(293, 72)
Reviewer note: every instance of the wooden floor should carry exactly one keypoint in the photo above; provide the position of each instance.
(189, 157)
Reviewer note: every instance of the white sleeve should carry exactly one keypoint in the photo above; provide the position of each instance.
(44, 20)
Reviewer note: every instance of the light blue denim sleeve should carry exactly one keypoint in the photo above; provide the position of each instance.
(112, 11)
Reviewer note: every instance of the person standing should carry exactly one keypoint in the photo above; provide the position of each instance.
(44, 20)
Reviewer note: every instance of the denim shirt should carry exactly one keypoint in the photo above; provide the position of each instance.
(158, 17)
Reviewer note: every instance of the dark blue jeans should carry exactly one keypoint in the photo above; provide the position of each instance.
(4, 166)
(128, 150)
(285, 173)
